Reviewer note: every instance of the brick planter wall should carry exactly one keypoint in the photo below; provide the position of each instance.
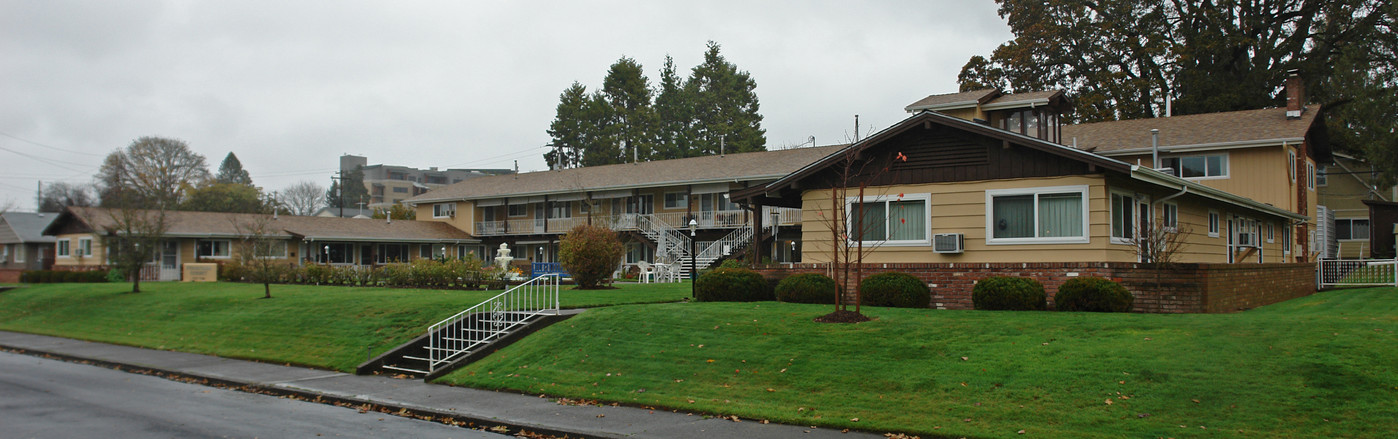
(10, 275)
(1184, 288)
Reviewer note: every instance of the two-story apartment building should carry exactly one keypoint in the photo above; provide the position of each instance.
(651, 203)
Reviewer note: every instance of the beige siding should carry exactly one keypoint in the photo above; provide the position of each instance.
(98, 252)
(960, 208)
(1257, 173)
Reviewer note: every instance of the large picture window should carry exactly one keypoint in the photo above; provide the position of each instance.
(1037, 215)
(676, 200)
(1198, 166)
(214, 248)
(889, 220)
(391, 253)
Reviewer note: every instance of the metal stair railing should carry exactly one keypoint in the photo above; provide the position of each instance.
(670, 243)
(490, 320)
(718, 249)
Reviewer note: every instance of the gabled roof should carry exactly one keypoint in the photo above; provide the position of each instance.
(225, 225)
(1268, 126)
(751, 166)
(27, 227)
(951, 101)
(1137, 173)
(954, 122)
(988, 99)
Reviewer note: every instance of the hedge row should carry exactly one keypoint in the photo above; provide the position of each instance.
(64, 276)
(422, 273)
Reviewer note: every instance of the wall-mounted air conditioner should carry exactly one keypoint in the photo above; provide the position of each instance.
(948, 242)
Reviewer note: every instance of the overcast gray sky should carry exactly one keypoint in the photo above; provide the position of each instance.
(288, 86)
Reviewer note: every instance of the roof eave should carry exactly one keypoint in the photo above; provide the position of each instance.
(1147, 175)
(1208, 146)
(414, 201)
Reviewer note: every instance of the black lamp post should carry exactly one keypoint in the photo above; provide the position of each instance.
(693, 258)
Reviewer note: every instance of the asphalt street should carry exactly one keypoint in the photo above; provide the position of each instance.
(42, 398)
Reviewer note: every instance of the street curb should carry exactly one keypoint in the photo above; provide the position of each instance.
(364, 405)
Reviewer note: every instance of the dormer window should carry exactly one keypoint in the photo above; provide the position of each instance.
(1034, 122)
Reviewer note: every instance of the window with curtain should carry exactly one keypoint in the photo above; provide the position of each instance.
(890, 221)
(1040, 215)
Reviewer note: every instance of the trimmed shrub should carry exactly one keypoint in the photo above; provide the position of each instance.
(732, 263)
(899, 290)
(1093, 294)
(590, 254)
(63, 276)
(1009, 294)
(731, 285)
(807, 288)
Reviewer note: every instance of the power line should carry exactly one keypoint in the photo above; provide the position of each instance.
(31, 142)
(50, 162)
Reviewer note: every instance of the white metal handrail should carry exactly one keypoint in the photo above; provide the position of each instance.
(1356, 272)
(670, 243)
(489, 320)
(724, 246)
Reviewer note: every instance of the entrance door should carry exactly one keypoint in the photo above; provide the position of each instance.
(169, 260)
(1232, 240)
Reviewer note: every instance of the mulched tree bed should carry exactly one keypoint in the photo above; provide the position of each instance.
(842, 316)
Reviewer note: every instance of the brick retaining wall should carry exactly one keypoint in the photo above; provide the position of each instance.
(1184, 288)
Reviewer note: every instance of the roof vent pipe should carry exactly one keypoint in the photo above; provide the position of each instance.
(1155, 148)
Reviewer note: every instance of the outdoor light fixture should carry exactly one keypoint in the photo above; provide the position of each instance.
(775, 217)
(693, 257)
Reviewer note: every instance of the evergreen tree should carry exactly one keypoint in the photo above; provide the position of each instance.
(631, 119)
(355, 191)
(674, 115)
(231, 172)
(581, 130)
(725, 107)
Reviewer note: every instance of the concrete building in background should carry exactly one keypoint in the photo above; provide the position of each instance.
(390, 184)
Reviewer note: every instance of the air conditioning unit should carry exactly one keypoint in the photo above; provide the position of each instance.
(948, 242)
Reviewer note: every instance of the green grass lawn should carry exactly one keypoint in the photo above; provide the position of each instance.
(319, 326)
(1319, 366)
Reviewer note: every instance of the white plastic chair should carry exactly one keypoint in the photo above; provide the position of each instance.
(646, 272)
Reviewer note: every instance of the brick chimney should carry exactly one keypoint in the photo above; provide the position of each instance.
(1295, 95)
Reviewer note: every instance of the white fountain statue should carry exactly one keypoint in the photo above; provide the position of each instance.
(502, 256)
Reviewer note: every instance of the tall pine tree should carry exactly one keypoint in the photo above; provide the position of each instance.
(631, 119)
(355, 192)
(724, 101)
(674, 111)
(231, 171)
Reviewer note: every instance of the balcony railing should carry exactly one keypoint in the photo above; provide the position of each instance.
(719, 219)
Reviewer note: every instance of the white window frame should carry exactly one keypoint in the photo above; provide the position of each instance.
(885, 199)
(64, 249)
(990, 195)
(84, 247)
(681, 200)
(554, 211)
(444, 210)
(381, 255)
(227, 247)
(21, 252)
(1135, 217)
(523, 211)
(1310, 175)
(1225, 173)
(1170, 217)
(5, 252)
(1321, 180)
(1291, 164)
(1286, 239)
(1213, 223)
(1271, 234)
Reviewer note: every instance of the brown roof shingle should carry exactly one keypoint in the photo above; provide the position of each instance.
(197, 224)
(974, 96)
(763, 165)
(1191, 130)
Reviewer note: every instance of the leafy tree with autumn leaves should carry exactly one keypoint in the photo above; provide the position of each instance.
(1126, 59)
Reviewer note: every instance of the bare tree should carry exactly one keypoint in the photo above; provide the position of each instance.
(59, 195)
(303, 198)
(1159, 245)
(848, 229)
(259, 247)
(151, 172)
(133, 237)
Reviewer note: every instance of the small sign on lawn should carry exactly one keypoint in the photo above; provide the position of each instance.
(200, 272)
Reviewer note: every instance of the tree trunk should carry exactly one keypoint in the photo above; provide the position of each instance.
(266, 290)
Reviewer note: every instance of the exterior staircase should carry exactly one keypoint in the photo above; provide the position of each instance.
(474, 332)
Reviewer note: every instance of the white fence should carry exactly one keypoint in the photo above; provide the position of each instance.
(1356, 272)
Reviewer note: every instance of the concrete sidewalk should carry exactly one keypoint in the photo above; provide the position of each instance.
(481, 407)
